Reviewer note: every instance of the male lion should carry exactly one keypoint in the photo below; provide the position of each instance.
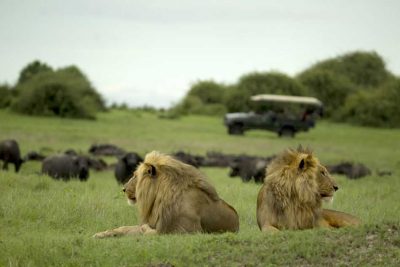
(292, 193)
(174, 197)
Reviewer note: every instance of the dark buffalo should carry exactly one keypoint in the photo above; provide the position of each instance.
(125, 166)
(66, 167)
(71, 152)
(383, 172)
(194, 160)
(10, 153)
(350, 170)
(250, 167)
(106, 150)
(97, 164)
(94, 162)
(216, 159)
(33, 155)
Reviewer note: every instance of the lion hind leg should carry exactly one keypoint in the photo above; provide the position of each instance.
(120, 231)
(269, 229)
(339, 219)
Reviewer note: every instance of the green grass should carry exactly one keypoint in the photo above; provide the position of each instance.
(50, 223)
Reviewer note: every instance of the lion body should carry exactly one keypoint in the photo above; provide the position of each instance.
(174, 197)
(292, 193)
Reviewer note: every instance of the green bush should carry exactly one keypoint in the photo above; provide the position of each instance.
(209, 92)
(332, 89)
(76, 79)
(33, 69)
(238, 98)
(194, 105)
(5, 96)
(378, 108)
(64, 93)
(203, 98)
(363, 69)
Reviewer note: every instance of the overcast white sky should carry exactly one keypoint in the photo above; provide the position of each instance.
(150, 52)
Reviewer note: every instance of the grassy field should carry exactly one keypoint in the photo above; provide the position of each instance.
(50, 223)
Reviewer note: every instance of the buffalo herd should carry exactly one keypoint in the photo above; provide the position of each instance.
(71, 164)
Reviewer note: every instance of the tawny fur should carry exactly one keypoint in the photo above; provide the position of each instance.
(174, 197)
(292, 193)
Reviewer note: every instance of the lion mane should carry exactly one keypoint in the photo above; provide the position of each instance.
(174, 197)
(292, 194)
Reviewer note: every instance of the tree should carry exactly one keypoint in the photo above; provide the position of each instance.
(363, 69)
(64, 93)
(75, 77)
(238, 99)
(5, 96)
(209, 92)
(330, 88)
(378, 108)
(32, 69)
(203, 98)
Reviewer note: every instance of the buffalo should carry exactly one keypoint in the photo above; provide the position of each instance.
(10, 153)
(250, 167)
(65, 167)
(350, 170)
(125, 166)
(194, 160)
(106, 150)
(97, 164)
(34, 155)
(217, 159)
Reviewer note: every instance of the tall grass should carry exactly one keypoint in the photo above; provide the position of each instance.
(44, 222)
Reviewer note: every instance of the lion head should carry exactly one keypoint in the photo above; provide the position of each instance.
(302, 177)
(293, 190)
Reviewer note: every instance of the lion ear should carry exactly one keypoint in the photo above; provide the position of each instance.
(302, 164)
(152, 171)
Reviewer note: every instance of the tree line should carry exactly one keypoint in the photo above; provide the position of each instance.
(355, 87)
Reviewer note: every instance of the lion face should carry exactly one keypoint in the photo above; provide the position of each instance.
(130, 190)
(298, 172)
(326, 184)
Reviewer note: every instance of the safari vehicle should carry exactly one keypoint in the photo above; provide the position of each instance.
(285, 115)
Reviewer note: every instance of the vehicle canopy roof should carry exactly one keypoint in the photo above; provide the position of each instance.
(287, 98)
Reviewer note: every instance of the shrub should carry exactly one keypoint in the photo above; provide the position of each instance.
(363, 69)
(194, 105)
(331, 89)
(238, 98)
(64, 93)
(379, 108)
(33, 69)
(5, 96)
(209, 92)
(203, 98)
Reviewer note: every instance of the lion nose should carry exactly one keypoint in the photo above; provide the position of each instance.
(336, 187)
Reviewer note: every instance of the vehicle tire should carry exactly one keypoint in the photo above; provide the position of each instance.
(235, 129)
(286, 132)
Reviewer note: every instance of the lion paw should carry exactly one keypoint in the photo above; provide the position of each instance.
(104, 234)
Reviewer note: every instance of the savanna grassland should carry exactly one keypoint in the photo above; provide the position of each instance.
(44, 222)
